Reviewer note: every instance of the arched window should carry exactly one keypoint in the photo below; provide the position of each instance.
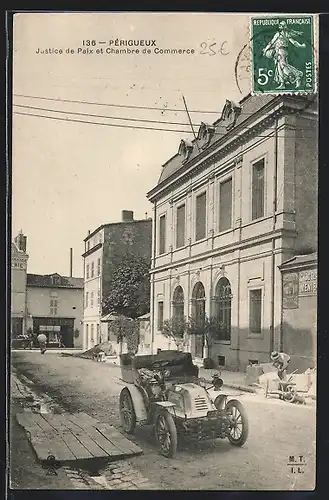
(222, 299)
(178, 303)
(199, 298)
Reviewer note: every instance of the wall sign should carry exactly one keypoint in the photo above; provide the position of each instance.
(308, 282)
(290, 291)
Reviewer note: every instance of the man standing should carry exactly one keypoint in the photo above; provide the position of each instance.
(42, 339)
(280, 361)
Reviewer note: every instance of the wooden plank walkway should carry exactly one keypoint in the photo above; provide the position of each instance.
(76, 436)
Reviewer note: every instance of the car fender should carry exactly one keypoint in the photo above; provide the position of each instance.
(139, 405)
(166, 405)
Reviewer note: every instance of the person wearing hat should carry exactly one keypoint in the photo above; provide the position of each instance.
(281, 361)
(42, 339)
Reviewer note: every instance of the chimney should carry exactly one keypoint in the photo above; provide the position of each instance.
(127, 215)
(71, 262)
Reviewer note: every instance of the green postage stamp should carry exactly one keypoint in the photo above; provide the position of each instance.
(283, 54)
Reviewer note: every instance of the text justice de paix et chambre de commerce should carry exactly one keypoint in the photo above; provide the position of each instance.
(115, 46)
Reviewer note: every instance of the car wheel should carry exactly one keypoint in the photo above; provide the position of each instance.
(127, 412)
(239, 422)
(165, 434)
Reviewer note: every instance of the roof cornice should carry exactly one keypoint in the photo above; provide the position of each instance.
(277, 107)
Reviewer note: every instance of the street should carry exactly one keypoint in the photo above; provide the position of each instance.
(277, 431)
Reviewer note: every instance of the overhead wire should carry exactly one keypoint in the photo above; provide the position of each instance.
(130, 106)
(160, 129)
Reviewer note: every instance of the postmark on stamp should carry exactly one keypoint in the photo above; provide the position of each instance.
(282, 54)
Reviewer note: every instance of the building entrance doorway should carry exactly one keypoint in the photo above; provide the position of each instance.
(198, 316)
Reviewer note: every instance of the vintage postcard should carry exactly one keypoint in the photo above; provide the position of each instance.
(163, 328)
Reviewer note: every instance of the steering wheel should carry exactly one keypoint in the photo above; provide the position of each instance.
(161, 367)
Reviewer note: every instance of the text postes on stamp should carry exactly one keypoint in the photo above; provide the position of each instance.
(282, 54)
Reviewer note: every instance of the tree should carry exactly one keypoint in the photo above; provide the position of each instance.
(128, 329)
(208, 328)
(174, 328)
(129, 293)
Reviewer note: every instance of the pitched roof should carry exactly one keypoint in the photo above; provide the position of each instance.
(53, 281)
(250, 104)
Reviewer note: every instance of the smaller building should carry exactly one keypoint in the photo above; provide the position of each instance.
(299, 310)
(55, 308)
(105, 248)
(19, 259)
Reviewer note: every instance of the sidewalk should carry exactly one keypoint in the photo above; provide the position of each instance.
(233, 380)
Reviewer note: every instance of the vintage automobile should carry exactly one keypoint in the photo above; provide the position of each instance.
(163, 390)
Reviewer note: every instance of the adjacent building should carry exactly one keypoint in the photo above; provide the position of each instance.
(229, 210)
(104, 248)
(19, 260)
(55, 308)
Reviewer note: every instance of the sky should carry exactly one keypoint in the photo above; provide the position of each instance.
(69, 177)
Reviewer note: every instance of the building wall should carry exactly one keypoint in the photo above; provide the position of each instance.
(306, 184)
(38, 303)
(18, 287)
(93, 287)
(250, 251)
(124, 237)
(117, 239)
(299, 323)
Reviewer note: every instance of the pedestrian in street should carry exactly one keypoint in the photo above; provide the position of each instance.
(281, 361)
(42, 339)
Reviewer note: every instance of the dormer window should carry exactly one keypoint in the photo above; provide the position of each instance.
(205, 134)
(230, 114)
(185, 149)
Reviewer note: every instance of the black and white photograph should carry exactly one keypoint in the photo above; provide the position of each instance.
(163, 251)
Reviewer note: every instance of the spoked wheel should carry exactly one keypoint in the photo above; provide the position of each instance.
(127, 412)
(240, 427)
(165, 434)
(290, 394)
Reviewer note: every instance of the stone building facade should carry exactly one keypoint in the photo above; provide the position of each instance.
(104, 248)
(19, 260)
(229, 209)
(55, 308)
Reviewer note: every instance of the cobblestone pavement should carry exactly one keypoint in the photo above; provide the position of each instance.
(116, 476)
(277, 431)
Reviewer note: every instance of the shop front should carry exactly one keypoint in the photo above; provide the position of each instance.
(59, 331)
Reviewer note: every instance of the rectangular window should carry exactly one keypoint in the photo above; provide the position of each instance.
(92, 269)
(162, 234)
(98, 267)
(87, 297)
(53, 306)
(92, 332)
(91, 299)
(255, 311)
(225, 205)
(160, 315)
(88, 245)
(258, 173)
(87, 271)
(200, 216)
(180, 227)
